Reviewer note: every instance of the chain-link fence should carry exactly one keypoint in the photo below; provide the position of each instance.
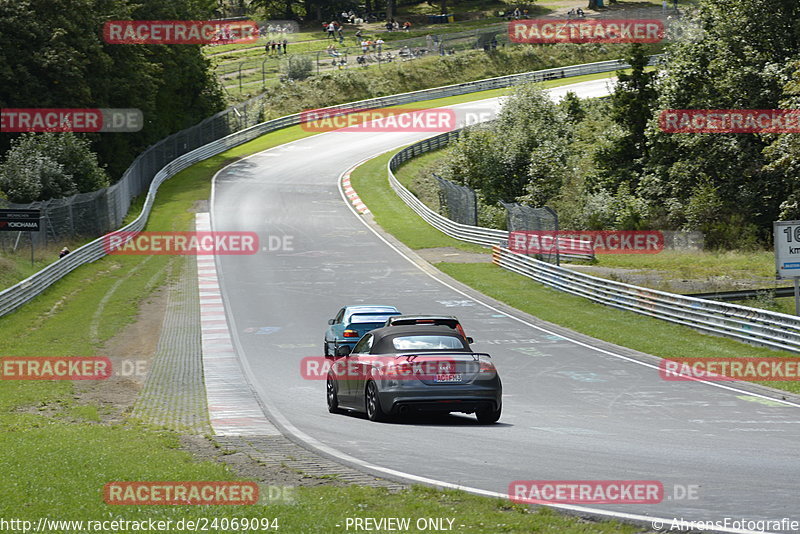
(350, 52)
(459, 203)
(522, 218)
(96, 213)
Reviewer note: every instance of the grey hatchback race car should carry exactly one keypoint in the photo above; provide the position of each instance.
(400, 369)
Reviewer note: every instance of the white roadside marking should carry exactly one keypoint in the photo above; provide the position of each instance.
(232, 409)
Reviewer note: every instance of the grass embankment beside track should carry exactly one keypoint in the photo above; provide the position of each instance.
(628, 329)
(57, 454)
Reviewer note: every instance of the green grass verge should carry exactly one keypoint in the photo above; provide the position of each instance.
(628, 329)
(393, 215)
(57, 458)
(699, 264)
(16, 265)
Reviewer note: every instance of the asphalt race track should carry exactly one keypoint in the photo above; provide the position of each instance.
(572, 410)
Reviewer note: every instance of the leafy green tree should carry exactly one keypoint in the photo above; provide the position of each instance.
(522, 156)
(632, 104)
(50, 165)
(29, 177)
(53, 56)
(742, 61)
(783, 153)
(571, 105)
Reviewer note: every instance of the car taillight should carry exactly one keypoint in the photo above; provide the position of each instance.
(487, 368)
(460, 330)
(350, 333)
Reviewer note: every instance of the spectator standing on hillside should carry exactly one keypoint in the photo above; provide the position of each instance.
(516, 13)
(379, 44)
(285, 42)
(331, 30)
(406, 26)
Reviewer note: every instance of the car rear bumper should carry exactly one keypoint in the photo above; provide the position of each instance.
(466, 400)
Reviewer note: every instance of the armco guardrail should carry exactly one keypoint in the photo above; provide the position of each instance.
(462, 232)
(744, 294)
(17, 295)
(750, 325)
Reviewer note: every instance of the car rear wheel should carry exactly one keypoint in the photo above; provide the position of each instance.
(487, 416)
(333, 397)
(373, 403)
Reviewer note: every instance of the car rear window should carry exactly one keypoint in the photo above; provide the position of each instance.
(427, 343)
(369, 318)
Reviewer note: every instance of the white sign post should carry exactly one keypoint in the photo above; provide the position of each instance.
(787, 255)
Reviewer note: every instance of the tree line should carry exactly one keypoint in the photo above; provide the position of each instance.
(317, 10)
(608, 165)
(53, 56)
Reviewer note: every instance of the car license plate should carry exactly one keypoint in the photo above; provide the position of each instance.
(447, 378)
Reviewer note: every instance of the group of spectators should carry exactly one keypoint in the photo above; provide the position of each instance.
(517, 14)
(273, 30)
(273, 47)
(376, 45)
(394, 26)
(350, 17)
(334, 29)
(572, 13)
(224, 34)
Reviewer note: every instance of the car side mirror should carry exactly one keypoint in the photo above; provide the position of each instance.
(343, 350)
(470, 340)
(331, 321)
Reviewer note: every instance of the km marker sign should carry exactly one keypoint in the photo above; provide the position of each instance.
(20, 220)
